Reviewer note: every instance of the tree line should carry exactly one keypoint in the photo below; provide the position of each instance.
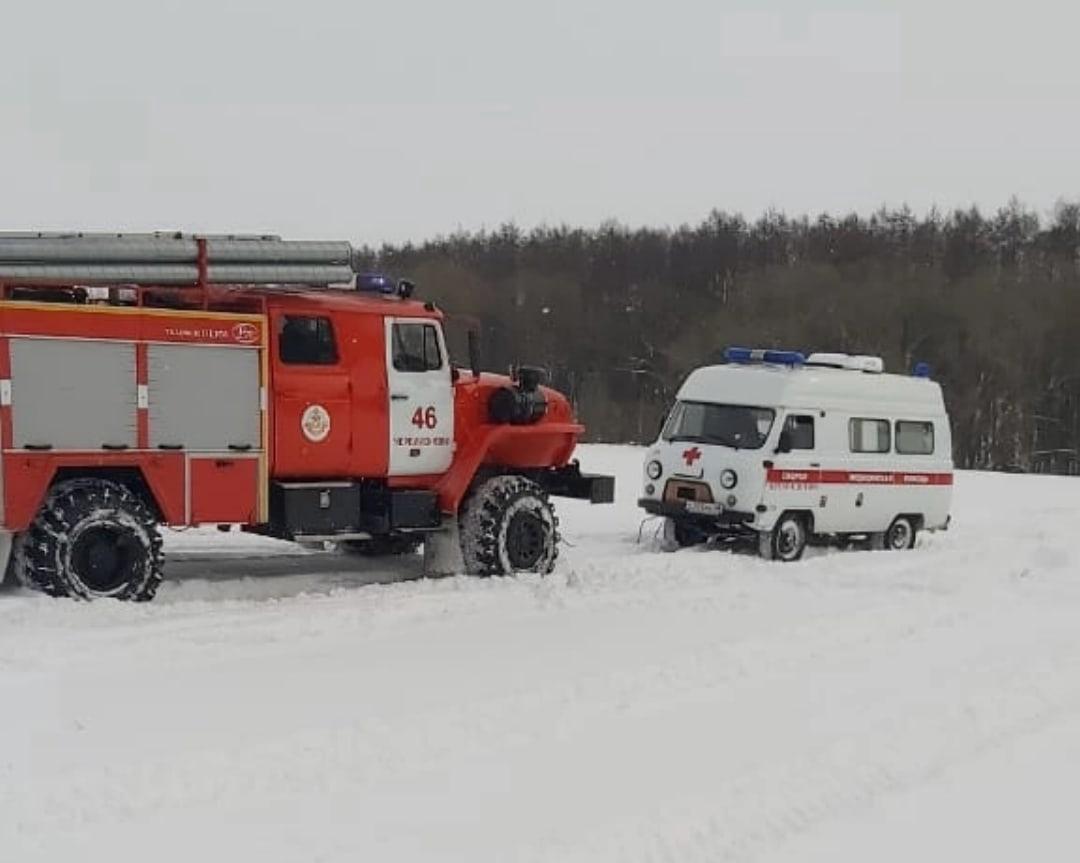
(618, 316)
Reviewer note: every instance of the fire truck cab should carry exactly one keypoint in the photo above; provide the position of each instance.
(157, 380)
(783, 450)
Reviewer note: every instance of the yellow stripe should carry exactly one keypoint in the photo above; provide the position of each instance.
(129, 310)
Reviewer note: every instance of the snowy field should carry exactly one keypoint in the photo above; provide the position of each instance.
(635, 705)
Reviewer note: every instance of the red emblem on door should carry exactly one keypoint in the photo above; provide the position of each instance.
(691, 455)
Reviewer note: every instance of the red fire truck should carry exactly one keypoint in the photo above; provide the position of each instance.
(150, 380)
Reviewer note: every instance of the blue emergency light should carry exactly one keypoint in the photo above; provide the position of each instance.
(375, 283)
(764, 355)
(921, 370)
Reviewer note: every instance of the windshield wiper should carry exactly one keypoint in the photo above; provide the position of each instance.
(689, 438)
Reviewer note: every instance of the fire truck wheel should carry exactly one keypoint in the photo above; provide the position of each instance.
(381, 546)
(508, 525)
(786, 541)
(92, 538)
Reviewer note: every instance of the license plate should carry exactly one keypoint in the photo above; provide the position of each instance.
(697, 507)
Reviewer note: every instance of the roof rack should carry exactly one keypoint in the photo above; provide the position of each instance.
(171, 260)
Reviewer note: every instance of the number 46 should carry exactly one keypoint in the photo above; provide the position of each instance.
(425, 418)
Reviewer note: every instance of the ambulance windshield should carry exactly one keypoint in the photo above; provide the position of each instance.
(737, 426)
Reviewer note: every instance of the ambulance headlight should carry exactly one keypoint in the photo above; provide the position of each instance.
(729, 479)
(654, 469)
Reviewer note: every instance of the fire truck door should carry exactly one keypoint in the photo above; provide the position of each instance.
(421, 397)
(312, 404)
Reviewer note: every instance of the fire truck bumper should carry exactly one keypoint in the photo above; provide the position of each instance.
(569, 481)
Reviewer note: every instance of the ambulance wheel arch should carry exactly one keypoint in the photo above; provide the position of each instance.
(900, 535)
(788, 538)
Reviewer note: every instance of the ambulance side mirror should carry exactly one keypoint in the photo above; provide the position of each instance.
(783, 445)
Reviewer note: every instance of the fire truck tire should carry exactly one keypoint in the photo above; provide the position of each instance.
(381, 546)
(508, 525)
(787, 540)
(92, 538)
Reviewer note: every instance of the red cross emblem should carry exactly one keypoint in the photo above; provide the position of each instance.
(691, 455)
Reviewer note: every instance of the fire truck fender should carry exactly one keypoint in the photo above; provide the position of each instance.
(505, 449)
(28, 480)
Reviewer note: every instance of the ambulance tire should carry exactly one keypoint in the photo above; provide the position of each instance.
(507, 525)
(900, 536)
(381, 546)
(92, 539)
(787, 540)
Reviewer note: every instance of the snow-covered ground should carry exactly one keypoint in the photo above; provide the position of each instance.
(636, 705)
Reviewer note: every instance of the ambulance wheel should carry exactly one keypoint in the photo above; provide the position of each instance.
(786, 541)
(381, 546)
(507, 525)
(92, 539)
(901, 534)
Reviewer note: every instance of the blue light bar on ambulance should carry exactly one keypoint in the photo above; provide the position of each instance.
(375, 283)
(760, 355)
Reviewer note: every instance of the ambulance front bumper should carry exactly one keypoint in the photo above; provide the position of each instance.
(713, 513)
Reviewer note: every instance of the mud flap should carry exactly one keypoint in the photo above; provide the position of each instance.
(442, 551)
(6, 538)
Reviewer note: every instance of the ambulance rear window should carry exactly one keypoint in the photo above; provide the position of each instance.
(914, 438)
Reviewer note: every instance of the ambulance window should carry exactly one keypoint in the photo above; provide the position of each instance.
(914, 438)
(801, 431)
(869, 435)
(306, 341)
(416, 348)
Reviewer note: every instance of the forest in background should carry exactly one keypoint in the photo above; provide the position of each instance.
(619, 316)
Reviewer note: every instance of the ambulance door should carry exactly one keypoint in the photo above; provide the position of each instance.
(421, 397)
(868, 480)
(796, 473)
(312, 404)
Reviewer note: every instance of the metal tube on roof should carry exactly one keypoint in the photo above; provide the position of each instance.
(86, 250)
(278, 251)
(176, 274)
(152, 249)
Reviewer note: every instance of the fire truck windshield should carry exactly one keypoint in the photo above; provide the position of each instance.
(736, 426)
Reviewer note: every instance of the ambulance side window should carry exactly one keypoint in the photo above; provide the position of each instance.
(800, 430)
(865, 435)
(306, 341)
(914, 438)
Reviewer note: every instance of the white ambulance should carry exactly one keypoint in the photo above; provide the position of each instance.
(787, 450)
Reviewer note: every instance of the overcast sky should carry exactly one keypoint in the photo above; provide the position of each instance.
(401, 120)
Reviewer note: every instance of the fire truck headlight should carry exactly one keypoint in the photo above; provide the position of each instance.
(729, 479)
(654, 469)
(650, 489)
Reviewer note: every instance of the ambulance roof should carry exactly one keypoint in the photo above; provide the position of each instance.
(813, 388)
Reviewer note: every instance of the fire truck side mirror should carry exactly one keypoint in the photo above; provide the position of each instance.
(474, 353)
(783, 445)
